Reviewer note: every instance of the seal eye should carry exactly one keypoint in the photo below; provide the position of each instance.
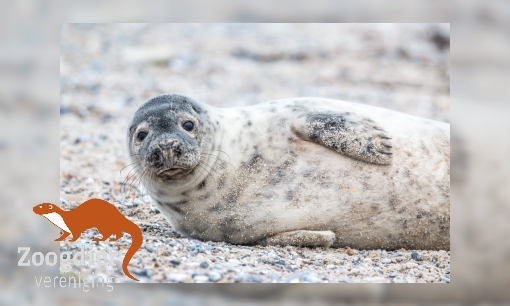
(141, 136)
(50, 207)
(40, 206)
(188, 125)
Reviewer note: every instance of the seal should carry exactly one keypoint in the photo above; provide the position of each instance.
(300, 171)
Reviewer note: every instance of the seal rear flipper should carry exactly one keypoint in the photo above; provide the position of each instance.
(301, 238)
(347, 133)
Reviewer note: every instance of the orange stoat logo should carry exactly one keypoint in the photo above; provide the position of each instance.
(102, 215)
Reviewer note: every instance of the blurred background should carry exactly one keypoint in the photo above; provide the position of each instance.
(480, 56)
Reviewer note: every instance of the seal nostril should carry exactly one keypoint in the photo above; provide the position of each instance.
(168, 145)
(156, 159)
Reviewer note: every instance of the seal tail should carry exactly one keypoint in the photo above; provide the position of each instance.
(136, 243)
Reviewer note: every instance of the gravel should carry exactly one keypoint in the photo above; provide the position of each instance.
(106, 76)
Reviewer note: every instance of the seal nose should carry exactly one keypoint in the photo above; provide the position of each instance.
(165, 146)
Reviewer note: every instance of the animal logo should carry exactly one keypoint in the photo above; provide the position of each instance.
(102, 215)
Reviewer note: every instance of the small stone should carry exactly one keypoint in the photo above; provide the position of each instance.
(175, 262)
(330, 267)
(289, 267)
(386, 261)
(414, 255)
(393, 275)
(177, 278)
(234, 261)
(64, 109)
(201, 279)
(150, 248)
(248, 278)
(350, 251)
(204, 265)
(302, 277)
(214, 276)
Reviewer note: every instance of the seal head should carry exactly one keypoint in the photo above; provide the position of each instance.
(167, 136)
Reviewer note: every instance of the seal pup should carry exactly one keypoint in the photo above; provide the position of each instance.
(300, 171)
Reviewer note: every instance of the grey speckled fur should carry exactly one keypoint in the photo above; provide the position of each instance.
(301, 171)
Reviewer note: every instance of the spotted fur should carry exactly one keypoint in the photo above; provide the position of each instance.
(303, 171)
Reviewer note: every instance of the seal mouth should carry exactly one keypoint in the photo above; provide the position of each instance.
(171, 172)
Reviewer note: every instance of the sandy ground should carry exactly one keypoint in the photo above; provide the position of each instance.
(107, 71)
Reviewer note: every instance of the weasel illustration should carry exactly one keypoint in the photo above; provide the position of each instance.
(94, 213)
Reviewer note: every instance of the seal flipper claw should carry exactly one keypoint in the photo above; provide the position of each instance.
(347, 133)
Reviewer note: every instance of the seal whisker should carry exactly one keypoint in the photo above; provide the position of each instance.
(135, 163)
(221, 160)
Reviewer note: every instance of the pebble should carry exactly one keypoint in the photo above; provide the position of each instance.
(350, 251)
(280, 262)
(302, 277)
(214, 276)
(386, 261)
(175, 262)
(204, 265)
(176, 278)
(150, 248)
(414, 255)
(201, 278)
(248, 278)
(234, 261)
(64, 109)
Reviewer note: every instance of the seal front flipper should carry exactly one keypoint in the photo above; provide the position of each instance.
(301, 238)
(347, 133)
